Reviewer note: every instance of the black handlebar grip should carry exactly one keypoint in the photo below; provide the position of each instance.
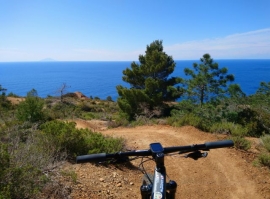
(91, 158)
(219, 144)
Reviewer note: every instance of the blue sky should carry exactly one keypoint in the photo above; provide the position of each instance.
(115, 30)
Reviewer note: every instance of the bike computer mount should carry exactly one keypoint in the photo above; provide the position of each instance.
(156, 148)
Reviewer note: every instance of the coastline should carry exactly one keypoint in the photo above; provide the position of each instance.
(99, 79)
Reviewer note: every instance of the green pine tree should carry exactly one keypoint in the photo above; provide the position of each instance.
(207, 81)
(150, 83)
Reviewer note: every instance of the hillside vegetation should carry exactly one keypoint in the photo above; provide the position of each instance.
(35, 139)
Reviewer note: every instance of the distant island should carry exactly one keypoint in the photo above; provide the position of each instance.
(47, 60)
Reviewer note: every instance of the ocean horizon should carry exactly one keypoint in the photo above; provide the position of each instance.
(100, 78)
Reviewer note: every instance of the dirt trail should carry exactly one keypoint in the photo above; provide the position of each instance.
(225, 173)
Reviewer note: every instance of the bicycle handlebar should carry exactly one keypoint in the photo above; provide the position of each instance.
(219, 144)
(147, 152)
(91, 157)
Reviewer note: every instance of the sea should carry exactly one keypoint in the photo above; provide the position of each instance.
(99, 79)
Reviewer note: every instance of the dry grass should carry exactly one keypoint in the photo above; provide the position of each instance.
(16, 100)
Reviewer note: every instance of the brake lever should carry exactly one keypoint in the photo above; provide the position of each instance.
(196, 155)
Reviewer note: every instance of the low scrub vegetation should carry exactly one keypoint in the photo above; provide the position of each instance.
(266, 142)
(241, 142)
(264, 159)
(34, 142)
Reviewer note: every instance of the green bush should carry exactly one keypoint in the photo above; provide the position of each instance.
(241, 143)
(62, 110)
(266, 142)
(5, 104)
(72, 174)
(88, 116)
(255, 115)
(109, 98)
(98, 143)
(11, 94)
(21, 182)
(4, 160)
(221, 127)
(28, 151)
(189, 119)
(119, 120)
(31, 109)
(243, 116)
(66, 137)
(184, 106)
(229, 128)
(86, 107)
(264, 159)
(22, 162)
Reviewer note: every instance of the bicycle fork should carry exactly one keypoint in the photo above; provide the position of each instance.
(146, 190)
(159, 189)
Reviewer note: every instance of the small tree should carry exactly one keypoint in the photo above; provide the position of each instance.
(4, 102)
(62, 91)
(264, 88)
(109, 98)
(207, 81)
(150, 82)
(31, 109)
(3, 90)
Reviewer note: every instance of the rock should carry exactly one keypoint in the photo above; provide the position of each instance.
(101, 180)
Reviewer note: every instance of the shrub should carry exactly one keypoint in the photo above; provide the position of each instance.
(185, 106)
(11, 94)
(109, 98)
(31, 109)
(5, 103)
(255, 117)
(229, 128)
(266, 142)
(22, 162)
(189, 119)
(62, 110)
(98, 143)
(119, 119)
(221, 127)
(72, 95)
(264, 159)
(66, 137)
(241, 143)
(21, 182)
(86, 107)
(26, 153)
(72, 174)
(5, 159)
(88, 116)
